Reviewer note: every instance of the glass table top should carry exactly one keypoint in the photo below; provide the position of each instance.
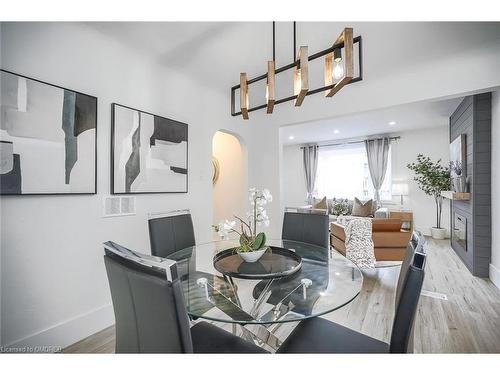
(325, 282)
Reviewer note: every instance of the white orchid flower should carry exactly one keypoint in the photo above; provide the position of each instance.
(267, 195)
(262, 218)
(225, 227)
(264, 223)
(228, 225)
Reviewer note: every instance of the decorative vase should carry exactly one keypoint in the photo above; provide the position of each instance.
(253, 256)
(438, 233)
(460, 184)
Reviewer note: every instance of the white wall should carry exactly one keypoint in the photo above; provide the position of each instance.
(54, 287)
(432, 142)
(293, 183)
(264, 168)
(1, 226)
(495, 189)
(230, 191)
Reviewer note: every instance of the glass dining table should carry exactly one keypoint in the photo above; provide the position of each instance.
(326, 281)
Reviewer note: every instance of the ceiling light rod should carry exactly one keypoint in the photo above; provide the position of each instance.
(356, 40)
(354, 142)
(294, 40)
(274, 41)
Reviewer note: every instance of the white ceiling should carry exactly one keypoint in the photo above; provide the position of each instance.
(407, 117)
(216, 52)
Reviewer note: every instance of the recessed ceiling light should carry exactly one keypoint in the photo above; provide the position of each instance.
(336, 131)
(291, 137)
(392, 123)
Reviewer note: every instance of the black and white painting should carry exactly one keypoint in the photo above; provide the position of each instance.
(47, 138)
(149, 153)
(458, 154)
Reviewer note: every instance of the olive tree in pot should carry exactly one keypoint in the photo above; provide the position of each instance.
(432, 179)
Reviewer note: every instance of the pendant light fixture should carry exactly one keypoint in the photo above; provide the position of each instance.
(338, 72)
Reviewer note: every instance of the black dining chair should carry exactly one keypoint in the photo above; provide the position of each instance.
(317, 335)
(150, 314)
(310, 228)
(417, 240)
(170, 232)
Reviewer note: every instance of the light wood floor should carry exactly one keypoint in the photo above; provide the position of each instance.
(468, 322)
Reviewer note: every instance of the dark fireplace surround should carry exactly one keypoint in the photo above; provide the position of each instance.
(471, 220)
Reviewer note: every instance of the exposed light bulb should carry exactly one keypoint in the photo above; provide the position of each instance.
(338, 68)
(336, 131)
(291, 137)
(392, 123)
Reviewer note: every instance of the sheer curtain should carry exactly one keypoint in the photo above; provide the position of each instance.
(310, 159)
(377, 151)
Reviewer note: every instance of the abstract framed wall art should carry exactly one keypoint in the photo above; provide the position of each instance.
(149, 153)
(48, 138)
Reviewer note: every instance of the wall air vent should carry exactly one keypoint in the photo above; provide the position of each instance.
(118, 206)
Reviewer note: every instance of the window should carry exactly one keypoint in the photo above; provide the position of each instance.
(343, 173)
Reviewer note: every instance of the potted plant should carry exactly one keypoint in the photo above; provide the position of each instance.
(432, 179)
(252, 244)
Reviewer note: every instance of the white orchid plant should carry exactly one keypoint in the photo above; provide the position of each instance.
(250, 240)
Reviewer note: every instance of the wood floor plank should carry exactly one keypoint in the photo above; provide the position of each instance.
(468, 322)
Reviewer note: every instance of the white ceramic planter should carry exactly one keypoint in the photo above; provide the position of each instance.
(438, 233)
(253, 256)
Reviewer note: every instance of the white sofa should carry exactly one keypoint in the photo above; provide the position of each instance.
(381, 213)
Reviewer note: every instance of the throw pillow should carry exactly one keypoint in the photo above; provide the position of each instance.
(321, 204)
(362, 209)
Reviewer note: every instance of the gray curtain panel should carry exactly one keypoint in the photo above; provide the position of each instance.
(310, 158)
(377, 151)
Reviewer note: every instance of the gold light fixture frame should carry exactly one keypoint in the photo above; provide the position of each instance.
(271, 87)
(301, 76)
(244, 100)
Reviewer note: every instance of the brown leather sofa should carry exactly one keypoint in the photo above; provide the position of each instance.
(389, 239)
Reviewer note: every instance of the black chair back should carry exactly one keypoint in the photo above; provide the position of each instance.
(417, 241)
(411, 278)
(306, 227)
(150, 314)
(168, 234)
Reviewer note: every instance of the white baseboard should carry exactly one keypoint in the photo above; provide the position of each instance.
(68, 332)
(427, 231)
(495, 275)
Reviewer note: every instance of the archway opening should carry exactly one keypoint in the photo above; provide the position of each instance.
(230, 178)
